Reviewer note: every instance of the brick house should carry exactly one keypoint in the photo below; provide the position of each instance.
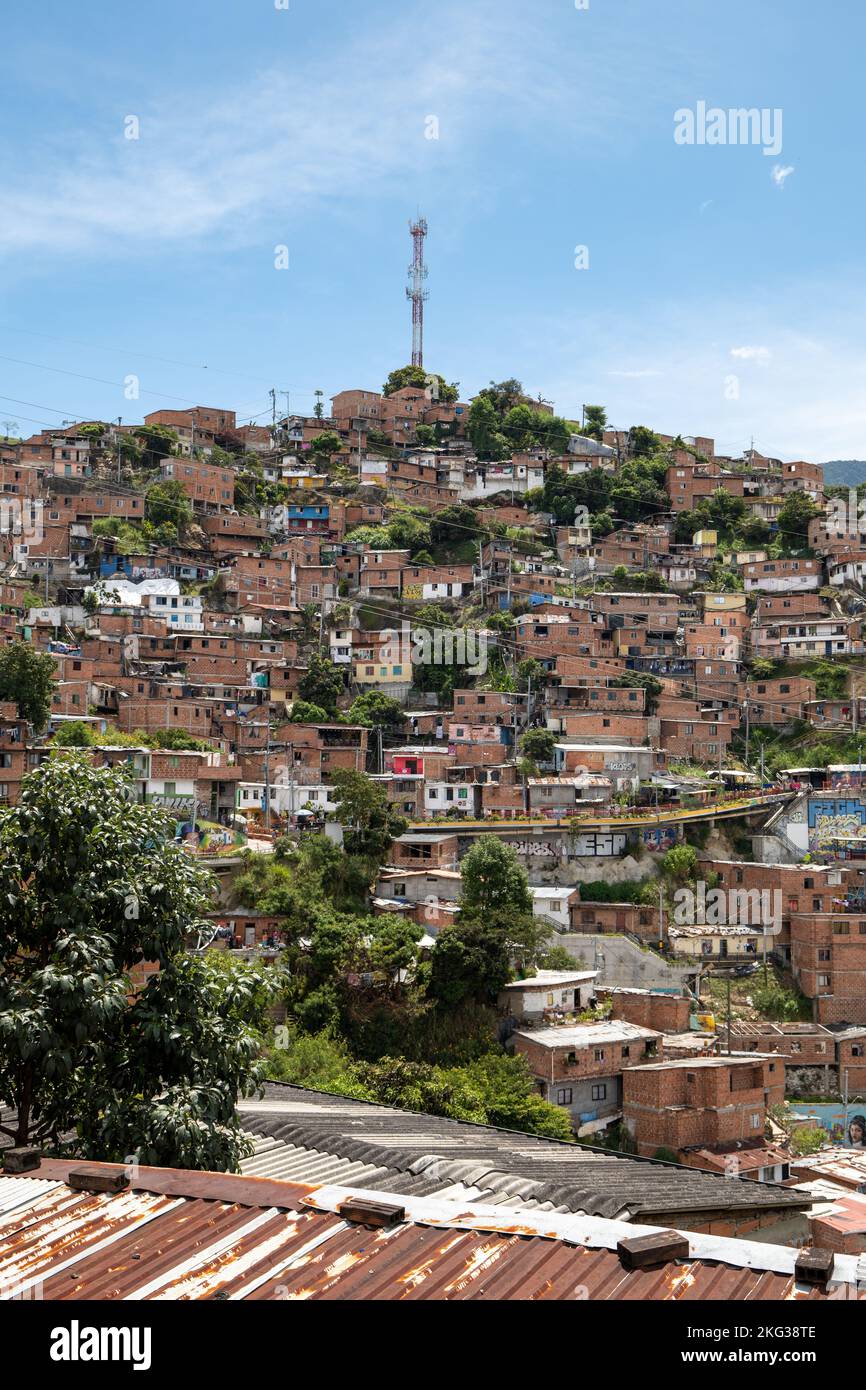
(581, 1067)
(709, 1101)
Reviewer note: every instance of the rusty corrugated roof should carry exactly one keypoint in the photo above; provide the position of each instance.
(189, 1235)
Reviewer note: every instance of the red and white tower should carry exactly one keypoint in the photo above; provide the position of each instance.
(416, 291)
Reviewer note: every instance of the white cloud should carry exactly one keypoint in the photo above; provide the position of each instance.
(810, 405)
(351, 125)
(760, 355)
(780, 173)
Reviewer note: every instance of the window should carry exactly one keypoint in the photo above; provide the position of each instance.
(599, 1092)
(598, 1055)
(756, 1121)
(563, 1097)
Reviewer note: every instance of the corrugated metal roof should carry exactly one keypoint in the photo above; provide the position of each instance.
(182, 1236)
(488, 1161)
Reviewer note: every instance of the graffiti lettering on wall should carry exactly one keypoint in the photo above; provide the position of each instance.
(831, 819)
(587, 846)
(182, 806)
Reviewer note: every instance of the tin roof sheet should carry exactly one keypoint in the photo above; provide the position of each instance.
(187, 1236)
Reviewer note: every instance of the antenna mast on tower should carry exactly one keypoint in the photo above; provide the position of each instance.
(416, 291)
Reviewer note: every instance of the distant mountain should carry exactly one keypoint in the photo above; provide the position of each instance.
(845, 472)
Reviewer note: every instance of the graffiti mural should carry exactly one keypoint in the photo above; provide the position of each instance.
(830, 818)
(834, 818)
(846, 1127)
(659, 840)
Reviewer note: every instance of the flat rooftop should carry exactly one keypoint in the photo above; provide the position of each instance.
(591, 1034)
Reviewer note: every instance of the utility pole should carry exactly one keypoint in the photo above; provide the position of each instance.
(661, 914)
(728, 982)
(119, 423)
(268, 776)
(748, 709)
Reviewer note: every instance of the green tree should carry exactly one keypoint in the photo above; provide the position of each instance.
(642, 441)
(27, 680)
(305, 713)
(471, 962)
(680, 864)
(454, 524)
(326, 444)
(484, 430)
(526, 428)
(157, 442)
(805, 1141)
(422, 1087)
(723, 511)
(493, 879)
(504, 395)
(594, 422)
(755, 531)
(418, 376)
(322, 684)
(93, 887)
(370, 823)
(320, 1061)
(377, 711)
(495, 931)
(511, 1100)
(75, 734)
(177, 739)
(167, 502)
(538, 745)
(796, 512)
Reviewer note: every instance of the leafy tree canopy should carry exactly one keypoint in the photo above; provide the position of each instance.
(377, 711)
(441, 390)
(93, 887)
(322, 684)
(167, 502)
(27, 680)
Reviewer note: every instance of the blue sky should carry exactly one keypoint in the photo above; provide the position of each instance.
(306, 127)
